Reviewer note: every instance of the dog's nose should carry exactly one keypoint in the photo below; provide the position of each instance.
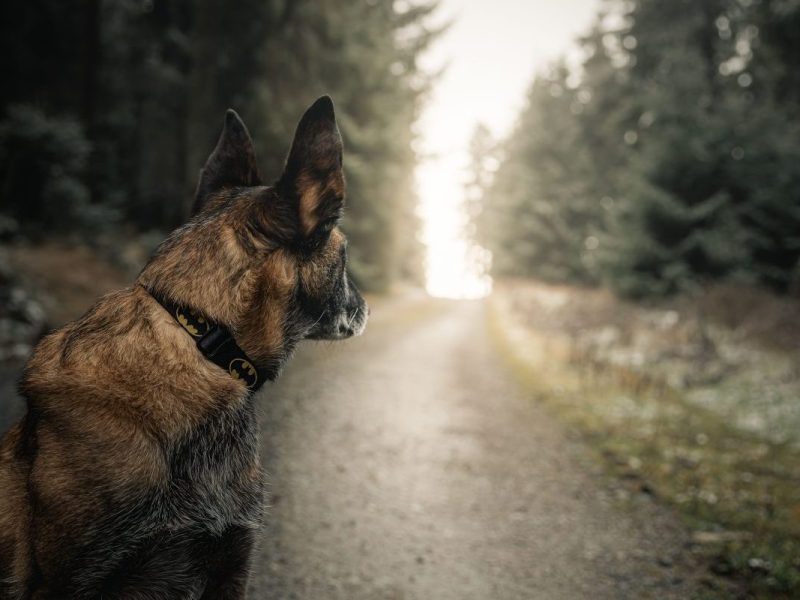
(345, 330)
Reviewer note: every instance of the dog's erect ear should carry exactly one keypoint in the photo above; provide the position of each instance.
(231, 164)
(313, 180)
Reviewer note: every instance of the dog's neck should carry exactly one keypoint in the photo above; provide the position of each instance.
(258, 335)
(217, 344)
(213, 275)
(205, 270)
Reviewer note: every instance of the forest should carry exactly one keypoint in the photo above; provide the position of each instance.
(665, 157)
(109, 109)
(619, 418)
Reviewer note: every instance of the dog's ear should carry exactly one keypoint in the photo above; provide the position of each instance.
(231, 164)
(312, 184)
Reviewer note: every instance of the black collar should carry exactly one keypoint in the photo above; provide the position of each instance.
(216, 343)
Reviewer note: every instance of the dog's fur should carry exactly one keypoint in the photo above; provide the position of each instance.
(135, 472)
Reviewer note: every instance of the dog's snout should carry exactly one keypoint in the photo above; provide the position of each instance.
(346, 316)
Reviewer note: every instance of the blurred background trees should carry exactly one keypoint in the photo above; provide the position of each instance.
(109, 109)
(667, 158)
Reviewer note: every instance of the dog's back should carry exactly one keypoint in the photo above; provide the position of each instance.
(121, 411)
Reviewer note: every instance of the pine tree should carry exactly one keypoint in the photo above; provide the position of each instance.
(540, 210)
(143, 85)
(688, 215)
(669, 159)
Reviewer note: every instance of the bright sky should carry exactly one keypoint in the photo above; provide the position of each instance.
(492, 49)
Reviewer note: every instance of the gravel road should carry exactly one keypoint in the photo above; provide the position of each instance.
(407, 464)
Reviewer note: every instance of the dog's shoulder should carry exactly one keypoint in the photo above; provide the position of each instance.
(128, 359)
(72, 352)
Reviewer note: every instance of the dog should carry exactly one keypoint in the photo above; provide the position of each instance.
(135, 471)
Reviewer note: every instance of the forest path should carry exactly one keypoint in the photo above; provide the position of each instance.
(408, 464)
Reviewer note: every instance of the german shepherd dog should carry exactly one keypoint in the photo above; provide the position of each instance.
(135, 472)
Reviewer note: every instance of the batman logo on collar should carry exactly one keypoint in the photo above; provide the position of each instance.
(193, 323)
(240, 368)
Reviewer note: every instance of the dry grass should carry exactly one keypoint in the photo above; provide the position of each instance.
(734, 351)
(739, 490)
(752, 314)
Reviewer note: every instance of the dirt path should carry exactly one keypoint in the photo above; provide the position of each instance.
(406, 464)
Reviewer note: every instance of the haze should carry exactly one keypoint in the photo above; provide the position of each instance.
(492, 51)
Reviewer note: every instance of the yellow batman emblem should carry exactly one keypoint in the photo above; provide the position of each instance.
(240, 368)
(196, 325)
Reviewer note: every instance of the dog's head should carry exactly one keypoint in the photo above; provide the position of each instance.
(268, 261)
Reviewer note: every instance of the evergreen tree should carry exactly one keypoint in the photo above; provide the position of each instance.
(540, 210)
(668, 160)
(688, 215)
(142, 85)
(483, 162)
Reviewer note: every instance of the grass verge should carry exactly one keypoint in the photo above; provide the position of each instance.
(739, 493)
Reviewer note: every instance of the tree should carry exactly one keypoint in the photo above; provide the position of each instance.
(688, 215)
(667, 160)
(155, 77)
(540, 213)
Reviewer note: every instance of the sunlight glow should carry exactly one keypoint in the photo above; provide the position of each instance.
(491, 50)
(455, 267)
